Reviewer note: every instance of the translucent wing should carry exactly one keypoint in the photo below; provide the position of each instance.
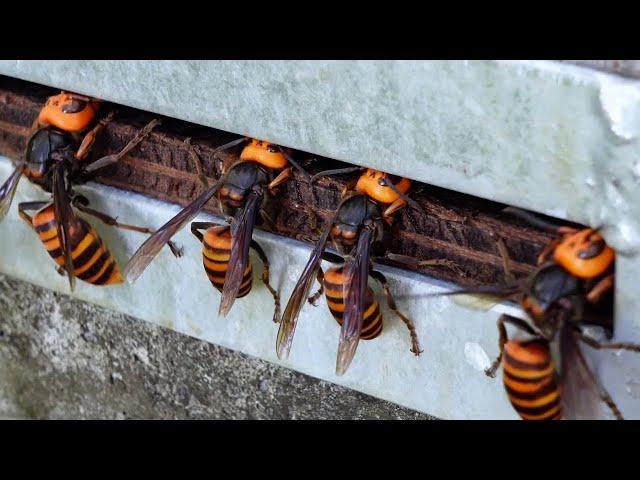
(152, 246)
(8, 190)
(64, 218)
(483, 302)
(300, 294)
(582, 396)
(356, 268)
(241, 232)
(483, 297)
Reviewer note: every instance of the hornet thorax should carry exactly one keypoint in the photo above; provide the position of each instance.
(47, 147)
(549, 292)
(240, 180)
(353, 213)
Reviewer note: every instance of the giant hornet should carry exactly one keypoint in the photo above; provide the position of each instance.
(571, 288)
(56, 158)
(359, 227)
(241, 191)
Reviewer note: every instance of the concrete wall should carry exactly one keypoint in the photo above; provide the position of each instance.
(64, 358)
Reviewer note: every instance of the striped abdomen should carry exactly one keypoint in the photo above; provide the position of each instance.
(92, 261)
(335, 291)
(216, 250)
(531, 381)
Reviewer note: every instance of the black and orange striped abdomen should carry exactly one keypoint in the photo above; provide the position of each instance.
(531, 380)
(92, 261)
(335, 291)
(216, 250)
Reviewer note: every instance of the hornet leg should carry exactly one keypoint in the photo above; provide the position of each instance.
(414, 262)
(90, 138)
(633, 347)
(197, 226)
(600, 289)
(81, 205)
(197, 163)
(107, 160)
(504, 338)
(604, 395)
(24, 207)
(314, 298)
(504, 254)
(329, 257)
(415, 344)
(265, 279)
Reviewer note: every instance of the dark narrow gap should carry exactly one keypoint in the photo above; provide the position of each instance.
(451, 225)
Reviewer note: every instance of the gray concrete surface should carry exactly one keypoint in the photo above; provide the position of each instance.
(64, 358)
